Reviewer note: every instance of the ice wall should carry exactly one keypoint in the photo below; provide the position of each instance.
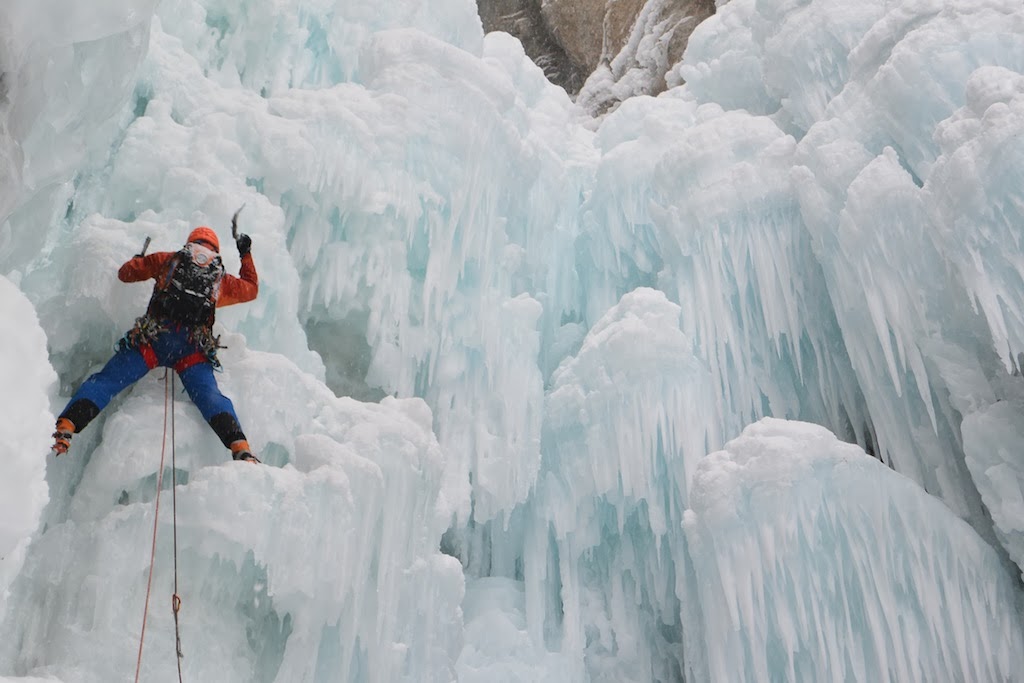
(803, 545)
(65, 70)
(570, 321)
(887, 171)
(308, 571)
(628, 418)
(303, 570)
(698, 202)
(27, 421)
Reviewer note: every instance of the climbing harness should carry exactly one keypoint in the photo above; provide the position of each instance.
(175, 598)
(143, 333)
(146, 330)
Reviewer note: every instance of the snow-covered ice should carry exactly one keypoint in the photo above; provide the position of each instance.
(23, 432)
(801, 542)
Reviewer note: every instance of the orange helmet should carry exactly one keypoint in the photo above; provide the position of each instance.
(205, 234)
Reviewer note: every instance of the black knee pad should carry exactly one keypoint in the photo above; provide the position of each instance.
(81, 413)
(226, 427)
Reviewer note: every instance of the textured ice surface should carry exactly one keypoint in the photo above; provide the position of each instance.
(65, 71)
(814, 562)
(498, 645)
(27, 421)
(991, 443)
(301, 572)
(608, 485)
(699, 202)
(887, 199)
(822, 224)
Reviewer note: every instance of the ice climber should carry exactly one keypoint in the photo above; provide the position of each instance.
(176, 332)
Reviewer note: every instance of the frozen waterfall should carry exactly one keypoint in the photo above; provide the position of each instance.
(723, 386)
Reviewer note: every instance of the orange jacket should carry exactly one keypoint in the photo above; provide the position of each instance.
(233, 290)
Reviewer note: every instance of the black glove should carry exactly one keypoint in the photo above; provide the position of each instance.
(244, 244)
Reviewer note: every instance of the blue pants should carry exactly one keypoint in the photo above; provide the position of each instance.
(129, 365)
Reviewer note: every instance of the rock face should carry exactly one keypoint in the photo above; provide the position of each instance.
(603, 51)
(653, 42)
(590, 30)
(523, 19)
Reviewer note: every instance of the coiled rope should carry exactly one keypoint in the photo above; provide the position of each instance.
(175, 598)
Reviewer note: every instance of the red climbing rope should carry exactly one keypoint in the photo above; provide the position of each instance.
(175, 600)
(156, 518)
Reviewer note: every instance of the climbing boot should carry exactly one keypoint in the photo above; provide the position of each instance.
(240, 451)
(62, 437)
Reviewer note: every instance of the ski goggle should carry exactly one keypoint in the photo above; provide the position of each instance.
(201, 254)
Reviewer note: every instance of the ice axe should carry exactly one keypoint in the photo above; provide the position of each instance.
(234, 222)
(145, 246)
